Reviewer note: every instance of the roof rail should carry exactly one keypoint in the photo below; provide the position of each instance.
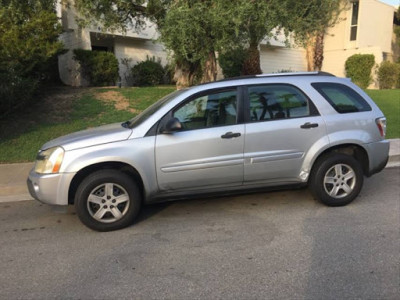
(316, 73)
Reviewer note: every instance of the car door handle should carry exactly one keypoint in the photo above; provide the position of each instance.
(309, 125)
(230, 135)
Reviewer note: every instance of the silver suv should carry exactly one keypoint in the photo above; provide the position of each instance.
(227, 136)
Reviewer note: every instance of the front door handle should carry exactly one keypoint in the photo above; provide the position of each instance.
(230, 135)
(309, 125)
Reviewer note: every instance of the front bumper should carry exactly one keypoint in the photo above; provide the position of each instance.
(50, 188)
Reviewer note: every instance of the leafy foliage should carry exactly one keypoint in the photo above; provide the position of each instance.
(358, 68)
(195, 30)
(100, 67)
(388, 75)
(231, 62)
(112, 14)
(148, 73)
(308, 18)
(29, 43)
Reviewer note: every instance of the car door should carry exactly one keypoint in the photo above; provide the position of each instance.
(282, 125)
(208, 151)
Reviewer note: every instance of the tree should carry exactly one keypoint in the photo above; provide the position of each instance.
(308, 21)
(113, 15)
(188, 32)
(29, 32)
(396, 27)
(195, 30)
(257, 19)
(192, 30)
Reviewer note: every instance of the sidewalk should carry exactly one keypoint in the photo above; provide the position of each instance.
(13, 176)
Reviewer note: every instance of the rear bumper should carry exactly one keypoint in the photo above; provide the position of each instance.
(50, 188)
(378, 154)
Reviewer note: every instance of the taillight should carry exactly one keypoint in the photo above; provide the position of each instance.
(381, 123)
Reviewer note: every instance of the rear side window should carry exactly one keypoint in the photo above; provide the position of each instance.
(277, 101)
(342, 98)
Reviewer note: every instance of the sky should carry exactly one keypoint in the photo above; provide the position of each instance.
(391, 2)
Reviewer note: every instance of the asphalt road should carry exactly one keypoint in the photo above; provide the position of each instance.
(276, 245)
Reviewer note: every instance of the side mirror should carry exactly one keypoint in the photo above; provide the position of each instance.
(173, 125)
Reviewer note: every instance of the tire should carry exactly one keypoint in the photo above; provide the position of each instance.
(107, 200)
(336, 179)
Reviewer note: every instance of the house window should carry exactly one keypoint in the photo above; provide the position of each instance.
(354, 20)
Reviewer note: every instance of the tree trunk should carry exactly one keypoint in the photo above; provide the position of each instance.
(181, 77)
(319, 51)
(210, 68)
(185, 74)
(251, 64)
(310, 49)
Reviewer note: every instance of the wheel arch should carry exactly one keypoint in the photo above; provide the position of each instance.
(354, 150)
(114, 165)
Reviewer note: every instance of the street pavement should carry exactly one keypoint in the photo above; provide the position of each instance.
(271, 245)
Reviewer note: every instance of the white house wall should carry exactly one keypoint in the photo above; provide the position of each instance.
(375, 25)
(68, 67)
(334, 61)
(273, 59)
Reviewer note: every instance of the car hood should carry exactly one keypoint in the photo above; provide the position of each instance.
(90, 137)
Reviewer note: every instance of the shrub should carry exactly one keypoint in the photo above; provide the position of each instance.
(232, 62)
(15, 91)
(99, 67)
(358, 68)
(388, 74)
(148, 72)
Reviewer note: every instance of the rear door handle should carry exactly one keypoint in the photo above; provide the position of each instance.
(309, 125)
(230, 135)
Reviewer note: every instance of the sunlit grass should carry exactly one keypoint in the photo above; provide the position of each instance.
(34, 129)
(389, 102)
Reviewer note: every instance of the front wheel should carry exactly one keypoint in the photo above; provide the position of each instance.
(336, 179)
(107, 200)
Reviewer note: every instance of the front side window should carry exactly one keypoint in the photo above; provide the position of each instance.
(208, 110)
(273, 102)
(342, 98)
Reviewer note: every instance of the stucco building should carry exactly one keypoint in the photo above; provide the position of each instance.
(367, 27)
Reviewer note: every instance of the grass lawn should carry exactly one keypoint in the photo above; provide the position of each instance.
(22, 135)
(66, 110)
(389, 103)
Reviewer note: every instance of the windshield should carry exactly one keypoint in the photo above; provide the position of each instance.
(143, 116)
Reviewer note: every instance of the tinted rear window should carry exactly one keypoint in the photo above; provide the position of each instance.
(342, 98)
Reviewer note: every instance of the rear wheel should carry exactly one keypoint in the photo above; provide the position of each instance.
(336, 179)
(107, 200)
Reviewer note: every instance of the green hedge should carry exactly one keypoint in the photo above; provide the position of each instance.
(388, 75)
(100, 68)
(148, 73)
(358, 68)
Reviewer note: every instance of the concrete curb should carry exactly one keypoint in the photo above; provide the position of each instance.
(13, 176)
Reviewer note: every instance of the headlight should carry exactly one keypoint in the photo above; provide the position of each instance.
(49, 161)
